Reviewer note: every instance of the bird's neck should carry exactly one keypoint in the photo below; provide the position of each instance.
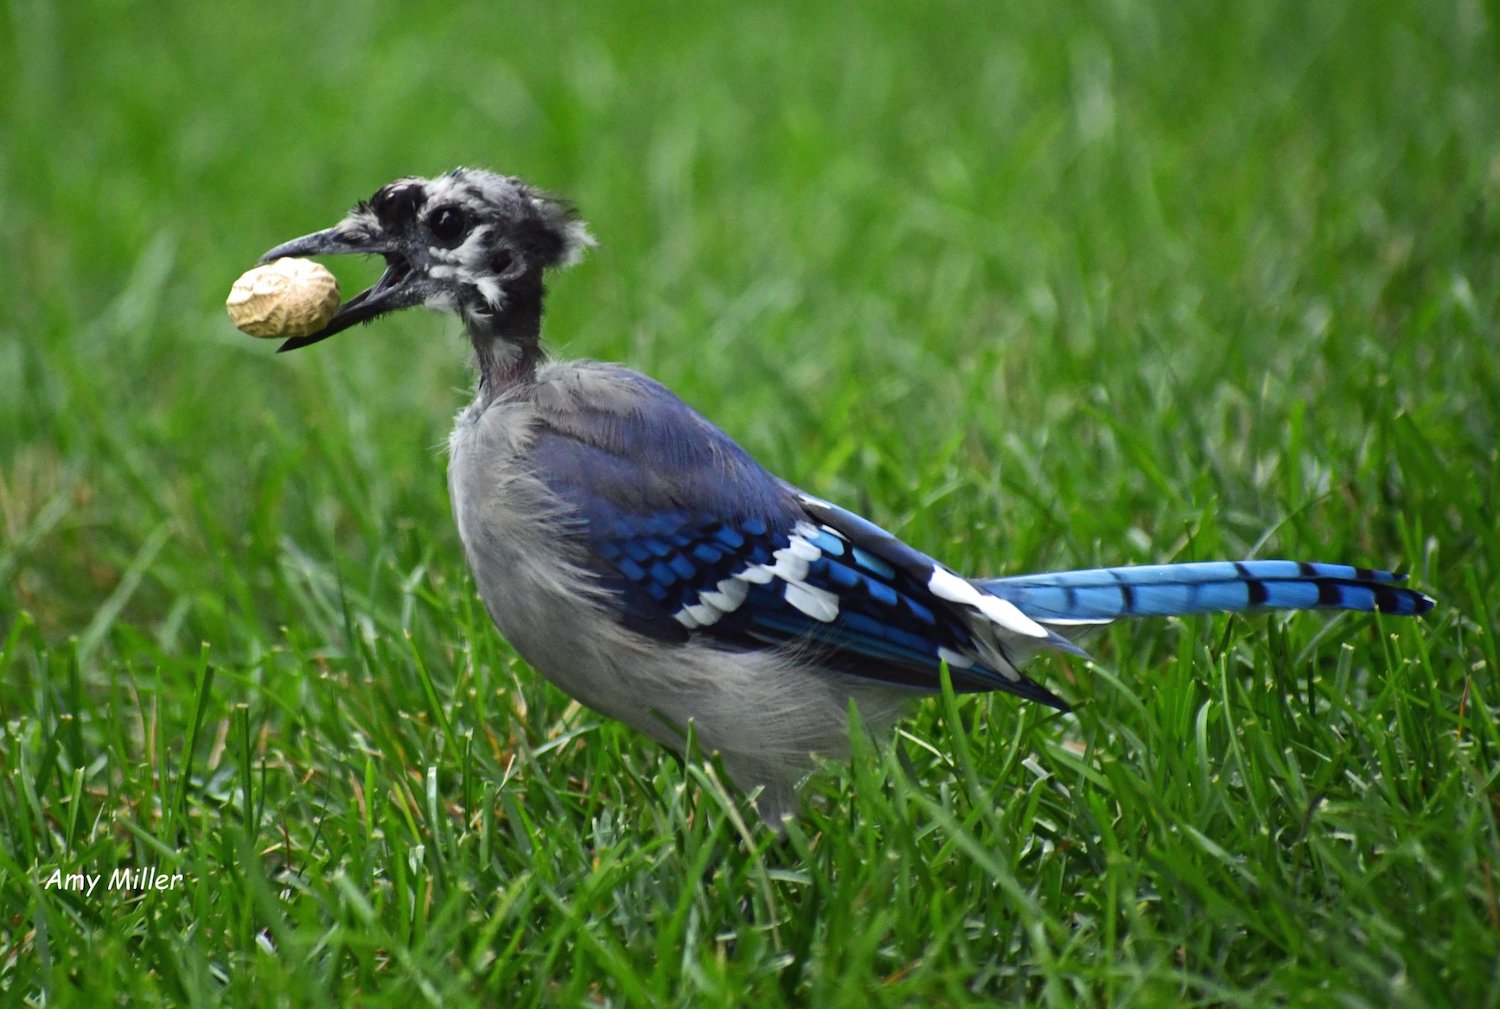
(508, 343)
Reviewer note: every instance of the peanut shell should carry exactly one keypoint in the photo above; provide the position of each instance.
(287, 297)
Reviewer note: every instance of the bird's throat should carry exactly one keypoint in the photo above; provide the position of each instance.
(508, 343)
(503, 363)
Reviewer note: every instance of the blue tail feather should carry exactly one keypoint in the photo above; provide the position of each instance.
(1103, 594)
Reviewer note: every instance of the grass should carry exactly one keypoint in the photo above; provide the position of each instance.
(1033, 285)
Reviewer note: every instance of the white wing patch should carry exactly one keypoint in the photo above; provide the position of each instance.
(789, 565)
(946, 585)
(994, 623)
(1002, 635)
(820, 604)
(698, 615)
(728, 596)
(759, 575)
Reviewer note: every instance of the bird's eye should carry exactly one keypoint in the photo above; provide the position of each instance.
(446, 224)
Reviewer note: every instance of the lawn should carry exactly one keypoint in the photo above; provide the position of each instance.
(1033, 285)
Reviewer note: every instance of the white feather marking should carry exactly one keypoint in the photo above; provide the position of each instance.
(789, 567)
(815, 602)
(468, 252)
(575, 240)
(703, 614)
(685, 618)
(490, 288)
(791, 564)
(955, 659)
(1008, 615)
(733, 590)
(801, 548)
(946, 585)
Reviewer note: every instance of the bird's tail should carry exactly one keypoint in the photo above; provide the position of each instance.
(1099, 595)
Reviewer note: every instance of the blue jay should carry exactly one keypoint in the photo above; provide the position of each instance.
(643, 562)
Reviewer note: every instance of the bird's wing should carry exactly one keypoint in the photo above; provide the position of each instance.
(693, 539)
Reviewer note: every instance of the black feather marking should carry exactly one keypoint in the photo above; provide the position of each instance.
(395, 204)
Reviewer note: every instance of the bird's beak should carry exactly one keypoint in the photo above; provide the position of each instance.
(398, 287)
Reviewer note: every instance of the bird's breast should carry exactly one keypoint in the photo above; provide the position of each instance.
(515, 535)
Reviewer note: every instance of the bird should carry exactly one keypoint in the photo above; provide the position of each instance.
(637, 557)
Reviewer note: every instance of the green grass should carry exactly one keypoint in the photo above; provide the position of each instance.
(1034, 285)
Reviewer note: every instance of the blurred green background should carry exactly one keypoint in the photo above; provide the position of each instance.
(1034, 285)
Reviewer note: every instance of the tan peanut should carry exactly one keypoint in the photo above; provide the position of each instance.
(287, 297)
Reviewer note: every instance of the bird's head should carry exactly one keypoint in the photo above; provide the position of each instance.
(468, 241)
